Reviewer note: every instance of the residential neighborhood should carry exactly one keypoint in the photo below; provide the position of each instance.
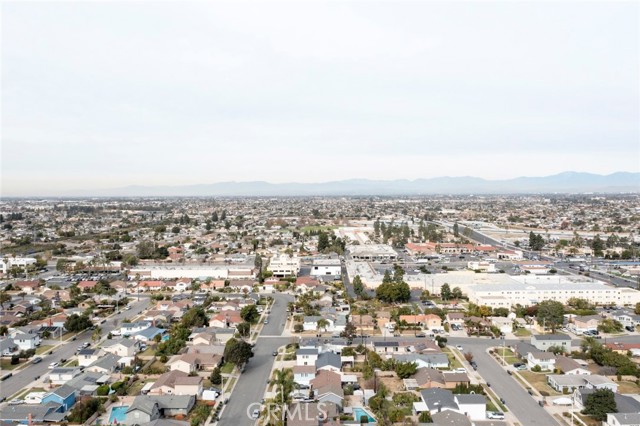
(181, 311)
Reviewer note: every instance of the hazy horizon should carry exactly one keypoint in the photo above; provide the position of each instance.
(111, 94)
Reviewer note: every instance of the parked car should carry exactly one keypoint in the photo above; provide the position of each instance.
(53, 365)
(275, 353)
(421, 335)
(255, 414)
(459, 347)
(495, 415)
(36, 360)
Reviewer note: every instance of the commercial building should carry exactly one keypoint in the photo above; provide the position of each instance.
(530, 290)
(373, 252)
(326, 267)
(284, 266)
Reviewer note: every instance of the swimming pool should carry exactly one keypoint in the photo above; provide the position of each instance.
(359, 412)
(118, 414)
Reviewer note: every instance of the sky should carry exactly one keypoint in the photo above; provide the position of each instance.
(116, 93)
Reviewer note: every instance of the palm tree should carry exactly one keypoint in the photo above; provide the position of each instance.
(283, 380)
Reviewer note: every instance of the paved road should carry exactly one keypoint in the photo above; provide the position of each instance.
(23, 378)
(518, 401)
(252, 383)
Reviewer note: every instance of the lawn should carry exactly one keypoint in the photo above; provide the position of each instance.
(149, 352)
(453, 360)
(72, 363)
(628, 387)
(5, 364)
(26, 392)
(538, 381)
(509, 356)
(43, 349)
(522, 332)
(137, 387)
(227, 368)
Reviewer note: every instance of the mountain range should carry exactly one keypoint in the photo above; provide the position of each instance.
(567, 182)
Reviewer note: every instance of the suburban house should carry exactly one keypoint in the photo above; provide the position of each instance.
(545, 360)
(622, 419)
(545, 341)
(427, 321)
(386, 347)
(439, 400)
(455, 318)
(165, 384)
(105, 365)
(426, 378)
(7, 346)
(121, 347)
(61, 375)
(88, 356)
(306, 356)
(131, 328)
(570, 366)
(567, 383)
(310, 323)
(303, 374)
(146, 408)
(428, 360)
(329, 361)
(581, 324)
(64, 395)
(327, 387)
(505, 325)
(26, 341)
(190, 385)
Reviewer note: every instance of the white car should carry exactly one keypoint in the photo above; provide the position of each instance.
(53, 365)
(495, 415)
(459, 347)
(460, 370)
(255, 414)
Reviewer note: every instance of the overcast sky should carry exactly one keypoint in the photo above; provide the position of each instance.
(108, 94)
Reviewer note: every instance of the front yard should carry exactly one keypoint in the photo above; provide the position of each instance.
(539, 382)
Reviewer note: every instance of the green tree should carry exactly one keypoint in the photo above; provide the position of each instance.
(425, 417)
(195, 317)
(456, 293)
(637, 309)
(609, 325)
(392, 292)
(76, 323)
(349, 331)
(550, 314)
(250, 314)
(597, 245)
(536, 242)
(323, 241)
(146, 249)
(322, 324)
(243, 329)
(237, 352)
(404, 370)
(358, 287)
(445, 291)
(599, 403)
(456, 230)
(84, 409)
(216, 377)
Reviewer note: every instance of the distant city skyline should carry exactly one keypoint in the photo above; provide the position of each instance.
(110, 94)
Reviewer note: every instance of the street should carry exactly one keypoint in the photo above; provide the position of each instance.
(252, 384)
(22, 379)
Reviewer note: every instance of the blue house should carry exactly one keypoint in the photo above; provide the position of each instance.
(64, 395)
